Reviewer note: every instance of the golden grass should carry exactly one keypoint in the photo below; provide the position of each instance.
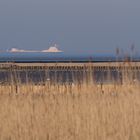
(93, 112)
(70, 111)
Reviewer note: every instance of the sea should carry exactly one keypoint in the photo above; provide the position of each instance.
(61, 56)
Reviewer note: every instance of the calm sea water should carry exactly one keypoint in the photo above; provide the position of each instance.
(56, 57)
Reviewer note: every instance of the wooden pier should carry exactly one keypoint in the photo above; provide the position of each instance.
(72, 66)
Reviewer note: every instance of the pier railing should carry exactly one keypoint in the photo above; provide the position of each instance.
(74, 66)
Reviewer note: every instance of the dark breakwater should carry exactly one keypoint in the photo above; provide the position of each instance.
(67, 76)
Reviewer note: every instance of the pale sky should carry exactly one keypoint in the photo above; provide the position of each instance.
(77, 26)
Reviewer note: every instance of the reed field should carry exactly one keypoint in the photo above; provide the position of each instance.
(76, 111)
